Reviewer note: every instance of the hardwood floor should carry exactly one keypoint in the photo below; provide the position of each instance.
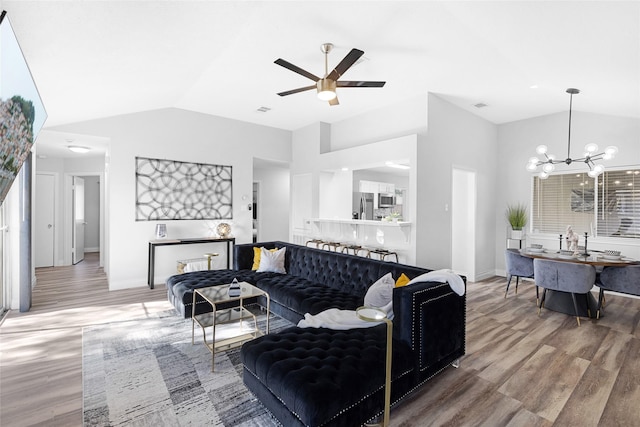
(41, 351)
(520, 369)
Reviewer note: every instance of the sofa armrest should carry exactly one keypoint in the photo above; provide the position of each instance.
(430, 318)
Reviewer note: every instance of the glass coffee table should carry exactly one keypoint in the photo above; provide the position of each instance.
(227, 327)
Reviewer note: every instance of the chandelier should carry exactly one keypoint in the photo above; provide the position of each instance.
(590, 155)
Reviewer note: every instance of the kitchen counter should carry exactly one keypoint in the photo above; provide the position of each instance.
(393, 236)
(363, 222)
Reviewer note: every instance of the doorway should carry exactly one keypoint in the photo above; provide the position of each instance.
(463, 223)
(256, 220)
(84, 226)
(79, 221)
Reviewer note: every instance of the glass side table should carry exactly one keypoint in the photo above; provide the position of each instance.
(244, 322)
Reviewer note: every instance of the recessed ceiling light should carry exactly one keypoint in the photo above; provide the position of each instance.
(263, 109)
(480, 105)
(78, 148)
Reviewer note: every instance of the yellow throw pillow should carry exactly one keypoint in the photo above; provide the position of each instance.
(256, 257)
(402, 280)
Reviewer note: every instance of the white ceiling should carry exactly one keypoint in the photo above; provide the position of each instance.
(93, 59)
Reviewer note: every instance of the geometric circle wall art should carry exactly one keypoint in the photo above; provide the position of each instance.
(173, 190)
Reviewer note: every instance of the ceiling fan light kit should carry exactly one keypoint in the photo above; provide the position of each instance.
(590, 155)
(326, 89)
(327, 85)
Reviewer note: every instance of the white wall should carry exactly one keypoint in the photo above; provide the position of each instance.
(181, 135)
(273, 203)
(11, 245)
(518, 140)
(379, 124)
(92, 213)
(335, 194)
(455, 138)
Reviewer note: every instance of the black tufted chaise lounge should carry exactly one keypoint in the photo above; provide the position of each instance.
(324, 377)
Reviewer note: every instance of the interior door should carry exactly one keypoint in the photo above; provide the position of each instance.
(44, 217)
(78, 219)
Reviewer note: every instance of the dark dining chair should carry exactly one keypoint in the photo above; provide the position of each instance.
(625, 280)
(518, 266)
(570, 277)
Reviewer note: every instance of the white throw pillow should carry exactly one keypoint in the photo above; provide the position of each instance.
(381, 292)
(272, 261)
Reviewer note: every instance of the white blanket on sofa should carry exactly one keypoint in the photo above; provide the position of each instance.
(335, 318)
(455, 282)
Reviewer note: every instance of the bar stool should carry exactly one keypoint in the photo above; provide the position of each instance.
(317, 242)
(354, 248)
(382, 253)
(331, 246)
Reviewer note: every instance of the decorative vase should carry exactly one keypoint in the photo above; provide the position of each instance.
(516, 234)
(161, 231)
(223, 229)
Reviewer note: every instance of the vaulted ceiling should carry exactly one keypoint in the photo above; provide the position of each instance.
(95, 59)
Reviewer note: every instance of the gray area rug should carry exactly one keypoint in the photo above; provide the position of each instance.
(147, 373)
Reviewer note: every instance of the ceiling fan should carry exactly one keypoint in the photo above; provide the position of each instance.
(327, 85)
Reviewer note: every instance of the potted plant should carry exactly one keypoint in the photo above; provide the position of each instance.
(517, 217)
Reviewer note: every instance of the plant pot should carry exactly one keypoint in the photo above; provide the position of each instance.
(517, 234)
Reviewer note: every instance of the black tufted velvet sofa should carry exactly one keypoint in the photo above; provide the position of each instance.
(325, 377)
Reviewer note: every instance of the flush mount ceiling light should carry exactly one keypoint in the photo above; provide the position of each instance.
(78, 148)
(589, 158)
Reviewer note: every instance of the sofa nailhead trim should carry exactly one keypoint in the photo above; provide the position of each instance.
(339, 413)
(275, 395)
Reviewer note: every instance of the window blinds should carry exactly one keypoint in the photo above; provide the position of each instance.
(606, 206)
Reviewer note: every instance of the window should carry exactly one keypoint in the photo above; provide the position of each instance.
(619, 204)
(606, 206)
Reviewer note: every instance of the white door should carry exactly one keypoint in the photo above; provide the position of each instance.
(78, 219)
(44, 217)
(463, 223)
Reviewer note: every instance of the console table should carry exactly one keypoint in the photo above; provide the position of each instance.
(169, 242)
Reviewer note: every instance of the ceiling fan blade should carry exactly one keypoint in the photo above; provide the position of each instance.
(296, 69)
(345, 64)
(300, 89)
(360, 84)
(334, 101)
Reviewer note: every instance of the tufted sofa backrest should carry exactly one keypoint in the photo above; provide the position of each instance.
(349, 273)
(425, 312)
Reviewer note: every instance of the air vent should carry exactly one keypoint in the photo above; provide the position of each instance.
(263, 109)
(480, 105)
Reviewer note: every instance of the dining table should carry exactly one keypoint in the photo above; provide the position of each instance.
(561, 301)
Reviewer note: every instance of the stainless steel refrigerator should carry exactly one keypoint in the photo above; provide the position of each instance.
(366, 206)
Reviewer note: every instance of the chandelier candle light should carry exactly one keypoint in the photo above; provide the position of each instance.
(589, 158)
